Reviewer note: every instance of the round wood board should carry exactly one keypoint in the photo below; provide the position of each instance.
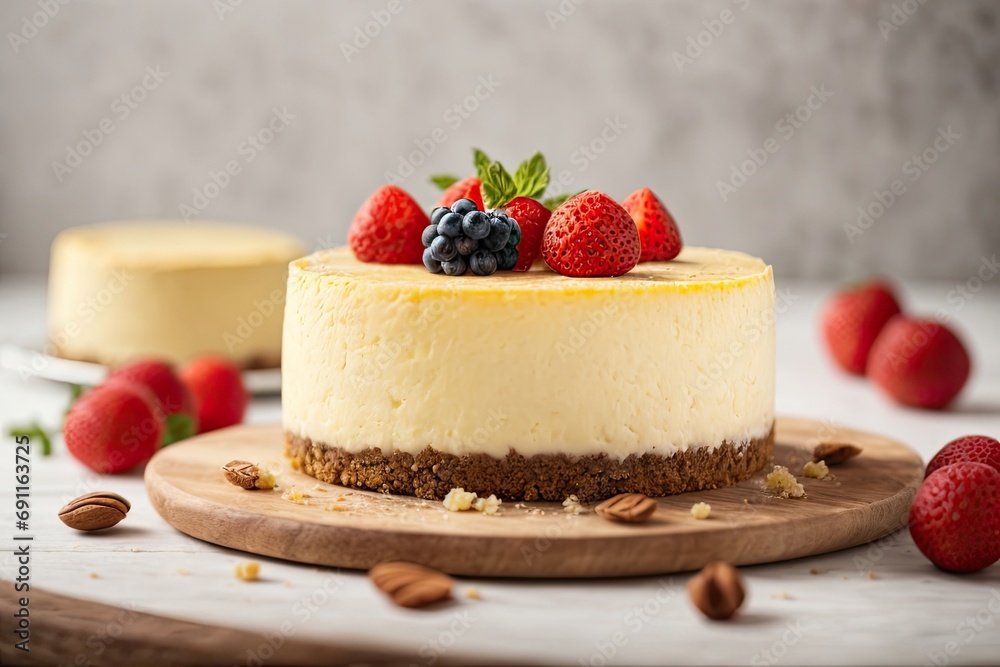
(866, 498)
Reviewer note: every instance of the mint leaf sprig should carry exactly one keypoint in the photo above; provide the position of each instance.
(530, 179)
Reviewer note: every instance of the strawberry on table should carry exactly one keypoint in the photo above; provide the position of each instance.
(658, 233)
(591, 235)
(387, 228)
(921, 363)
(852, 320)
(955, 517)
(217, 387)
(174, 398)
(114, 427)
(975, 448)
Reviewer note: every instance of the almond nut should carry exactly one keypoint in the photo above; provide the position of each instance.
(835, 452)
(717, 591)
(627, 507)
(411, 585)
(95, 511)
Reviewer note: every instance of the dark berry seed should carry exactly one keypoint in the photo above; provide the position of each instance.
(499, 233)
(463, 206)
(465, 245)
(429, 234)
(476, 225)
(432, 264)
(450, 225)
(443, 249)
(439, 213)
(507, 258)
(483, 263)
(455, 267)
(515, 233)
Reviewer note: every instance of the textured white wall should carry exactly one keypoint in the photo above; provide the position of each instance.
(560, 79)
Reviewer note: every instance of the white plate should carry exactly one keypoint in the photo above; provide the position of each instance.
(28, 362)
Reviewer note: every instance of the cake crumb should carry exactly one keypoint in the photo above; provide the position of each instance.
(782, 595)
(871, 575)
(295, 495)
(320, 489)
(783, 483)
(572, 505)
(296, 463)
(701, 510)
(489, 505)
(135, 550)
(248, 571)
(183, 573)
(334, 507)
(459, 500)
(816, 469)
(94, 575)
(472, 593)
(265, 479)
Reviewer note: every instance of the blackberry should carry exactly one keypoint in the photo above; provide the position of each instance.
(462, 238)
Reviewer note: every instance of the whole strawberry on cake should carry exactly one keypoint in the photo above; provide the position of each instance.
(528, 347)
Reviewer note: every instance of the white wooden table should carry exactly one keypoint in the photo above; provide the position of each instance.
(877, 604)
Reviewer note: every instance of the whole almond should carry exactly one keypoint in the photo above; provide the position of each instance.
(95, 511)
(717, 591)
(627, 507)
(411, 585)
(835, 453)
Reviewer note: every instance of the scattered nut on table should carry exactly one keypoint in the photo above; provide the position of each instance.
(835, 453)
(717, 591)
(627, 507)
(95, 511)
(411, 585)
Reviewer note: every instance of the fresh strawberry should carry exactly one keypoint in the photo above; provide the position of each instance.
(955, 517)
(387, 228)
(532, 217)
(658, 233)
(469, 188)
(591, 235)
(175, 400)
(217, 387)
(975, 448)
(852, 320)
(919, 362)
(114, 427)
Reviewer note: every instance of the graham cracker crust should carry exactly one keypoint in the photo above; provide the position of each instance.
(431, 474)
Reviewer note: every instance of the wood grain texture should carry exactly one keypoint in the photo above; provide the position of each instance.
(867, 498)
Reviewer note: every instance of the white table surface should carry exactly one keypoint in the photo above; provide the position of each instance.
(909, 613)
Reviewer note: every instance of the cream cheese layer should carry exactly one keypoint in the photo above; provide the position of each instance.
(671, 356)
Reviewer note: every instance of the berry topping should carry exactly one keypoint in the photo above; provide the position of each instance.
(439, 213)
(465, 245)
(852, 320)
(476, 225)
(919, 362)
(658, 233)
(429, 234)
(591, 235)
(454, 189)
(507, 258)
(499, 234)
(456, 267)
(463, 206)
(483, 263)
(975, 448)
(432, 264)
(450, 225)
(532, 218)
(443, 249)
(387, 228)
(955, 517)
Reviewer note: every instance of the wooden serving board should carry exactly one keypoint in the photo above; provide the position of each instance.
(867, 498)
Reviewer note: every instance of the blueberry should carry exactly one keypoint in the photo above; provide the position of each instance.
(450, 225)
(443, 249)
(499, 233)
(483, 263)
(464, 206)
(439, 213)
(432, 264)
(515, 233)
(455, 267)
(465, 245)
(476, 225)
(429, 234)
(506, 258)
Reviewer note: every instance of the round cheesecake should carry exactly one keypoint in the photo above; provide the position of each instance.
(530, 385)
(120, 291)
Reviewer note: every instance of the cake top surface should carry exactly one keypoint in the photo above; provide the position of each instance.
(694, 268)
(179, 244)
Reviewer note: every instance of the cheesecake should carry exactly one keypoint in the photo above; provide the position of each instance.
(533, 385)
(173, 290)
